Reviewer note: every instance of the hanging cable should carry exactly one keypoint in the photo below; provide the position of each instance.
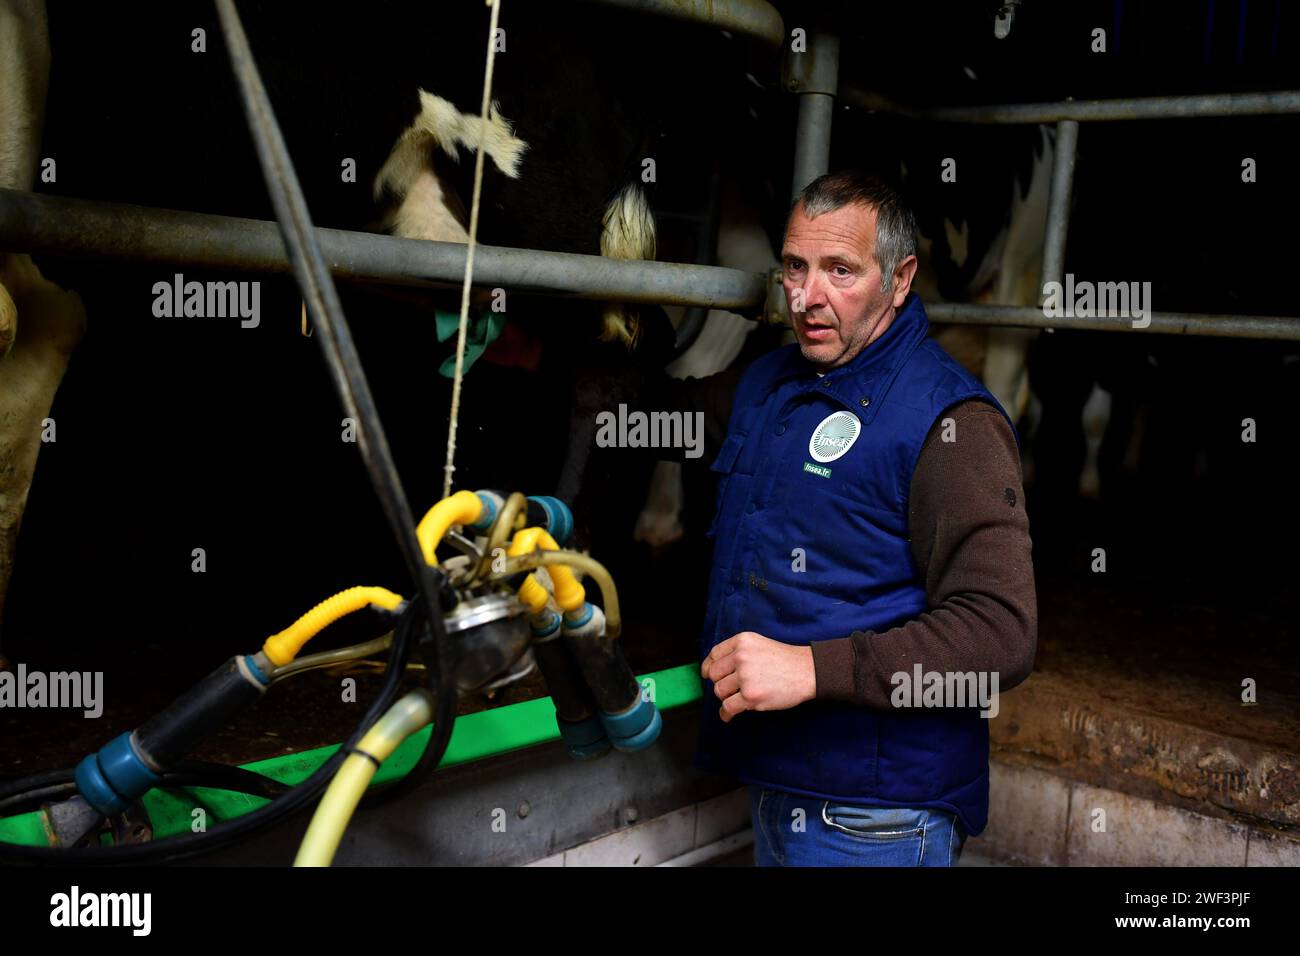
(469, 252)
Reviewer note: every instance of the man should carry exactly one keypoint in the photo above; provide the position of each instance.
(870, 529)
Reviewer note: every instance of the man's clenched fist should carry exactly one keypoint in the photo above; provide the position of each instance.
(753, 672)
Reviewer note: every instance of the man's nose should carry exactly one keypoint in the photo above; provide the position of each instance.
(814, 291)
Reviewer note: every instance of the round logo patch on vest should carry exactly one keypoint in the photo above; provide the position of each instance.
(834, 436)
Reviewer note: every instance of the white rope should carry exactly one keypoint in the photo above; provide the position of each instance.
(469, 253)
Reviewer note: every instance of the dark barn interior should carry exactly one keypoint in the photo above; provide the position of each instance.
(179, 434)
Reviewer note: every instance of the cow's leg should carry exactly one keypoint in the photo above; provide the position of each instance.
(720, 341)
(33, 354)
(52, 324)
(1006, 367)
(742, 244)
(1006, 371)
(659, 523)
(1096, 416)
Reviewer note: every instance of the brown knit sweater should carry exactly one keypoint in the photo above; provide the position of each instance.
(970, 539)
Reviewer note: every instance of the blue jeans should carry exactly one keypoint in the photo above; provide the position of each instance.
(791, 830)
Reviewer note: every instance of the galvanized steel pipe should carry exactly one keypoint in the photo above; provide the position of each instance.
(814, 75)
(48, 224)
(34, 223)
(1088, 111)
(1279, 327)
(812, 140)
(1058, 202)
(752, 18)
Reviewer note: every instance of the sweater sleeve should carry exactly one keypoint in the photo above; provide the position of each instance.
(970, 541)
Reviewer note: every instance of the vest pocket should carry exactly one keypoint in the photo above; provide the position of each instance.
(723, 466)
(725, 463)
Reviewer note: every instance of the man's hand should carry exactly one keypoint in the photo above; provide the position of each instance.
(753, 672)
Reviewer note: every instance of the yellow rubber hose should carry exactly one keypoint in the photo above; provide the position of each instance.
(584, 563)
(325, 833)
(569, 593)
(281, 648)
(589, 565)
(464, 507)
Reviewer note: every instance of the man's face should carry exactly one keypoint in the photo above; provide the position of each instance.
(832, 283)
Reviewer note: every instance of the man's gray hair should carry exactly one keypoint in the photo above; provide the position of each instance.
(895, 223)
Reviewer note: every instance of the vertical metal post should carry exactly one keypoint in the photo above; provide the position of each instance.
(812, 141)
(813, 75)
(1058, 203)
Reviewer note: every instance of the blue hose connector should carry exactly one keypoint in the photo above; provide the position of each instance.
(250, 661)
(491, 507)
(635, 728)
(545, 623)
(115, 777)
(584, 739)
(559, 519)
(580, 617)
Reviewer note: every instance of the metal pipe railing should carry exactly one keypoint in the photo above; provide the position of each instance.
(1058, 202)
(812, 140)
(77, 227)
(1086, 111)
(1277, 327)
(35, 223)
(814, 76)
(752, 18)
(1067, 116)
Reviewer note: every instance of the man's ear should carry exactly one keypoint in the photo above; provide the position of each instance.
(903, 277)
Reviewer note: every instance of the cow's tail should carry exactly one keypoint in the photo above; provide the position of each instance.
(627, 232)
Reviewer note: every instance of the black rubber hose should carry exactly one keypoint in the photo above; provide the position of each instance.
(607, 671)
(444, 717)
(29, 800)
(189, 773)
(32, 781)
(275, 812)
(569, 691)
(220, 776)
(210, 704)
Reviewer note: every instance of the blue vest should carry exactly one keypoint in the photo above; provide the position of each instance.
(811, 543)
